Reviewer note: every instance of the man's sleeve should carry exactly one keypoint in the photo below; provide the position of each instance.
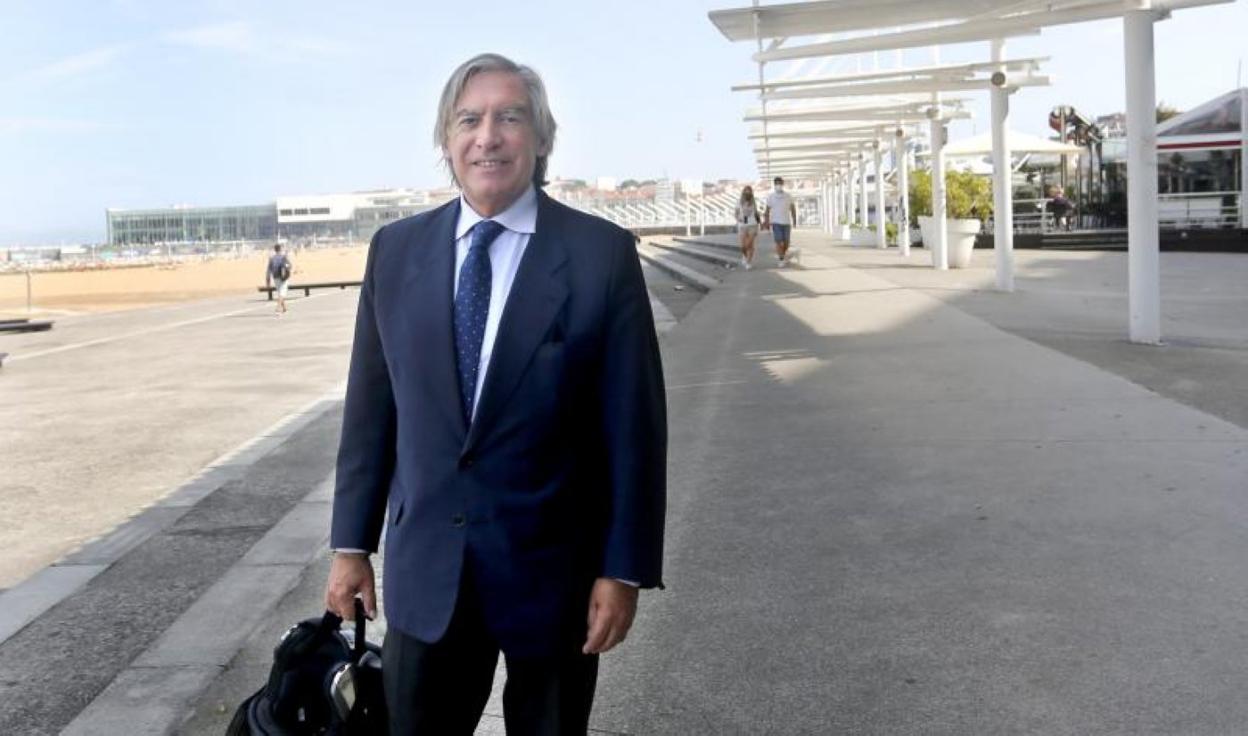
(366, 450)
(635, 426)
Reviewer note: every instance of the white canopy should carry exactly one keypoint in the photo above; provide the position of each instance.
(981, 145)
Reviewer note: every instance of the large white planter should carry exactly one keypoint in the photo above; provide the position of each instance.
(862, 236)
(841, 232)
(959, 239)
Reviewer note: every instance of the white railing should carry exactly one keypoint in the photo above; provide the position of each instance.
(1032, 216)
(639, 213)
(1199, 210)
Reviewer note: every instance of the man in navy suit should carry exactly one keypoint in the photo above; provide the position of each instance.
(505, 424)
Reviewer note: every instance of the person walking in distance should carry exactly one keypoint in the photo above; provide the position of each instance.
(747, 226)
(780, 214)
(277, 276)
(505, 423)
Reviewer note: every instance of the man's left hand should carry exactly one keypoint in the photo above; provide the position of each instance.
(612, 605)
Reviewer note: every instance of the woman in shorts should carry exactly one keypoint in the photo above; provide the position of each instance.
(747, 226)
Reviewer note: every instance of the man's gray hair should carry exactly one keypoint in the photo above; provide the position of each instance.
(539, 108)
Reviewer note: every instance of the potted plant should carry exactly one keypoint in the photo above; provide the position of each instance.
(862, 235)
(890, 233)
(968, 201)
(843, 230)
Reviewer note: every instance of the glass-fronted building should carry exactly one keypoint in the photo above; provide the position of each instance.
(190, 225)
(303, 219)
(1200, 165)
(1201, 177)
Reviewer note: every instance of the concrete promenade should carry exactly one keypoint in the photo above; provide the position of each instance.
(900, 503)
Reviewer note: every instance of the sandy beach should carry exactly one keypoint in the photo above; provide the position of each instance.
(103, 290)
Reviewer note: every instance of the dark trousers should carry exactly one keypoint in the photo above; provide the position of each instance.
(442, 688)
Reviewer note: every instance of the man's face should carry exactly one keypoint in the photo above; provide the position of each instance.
(492, 144)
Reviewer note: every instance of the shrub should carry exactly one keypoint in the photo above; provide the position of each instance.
(967, 196)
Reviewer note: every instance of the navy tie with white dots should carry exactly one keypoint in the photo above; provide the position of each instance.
(472, 306)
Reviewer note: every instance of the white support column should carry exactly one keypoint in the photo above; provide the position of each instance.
(824, 223)
(1002, 178)
(702, 213)
(881, 238)
(847, 194)
(827, 203)
(837, 199)
(864, 204)
(1243, 167)
(834, 210)
(940, 255)
(853, 197)
(1143, 259)
(901, 161)
(834, 205)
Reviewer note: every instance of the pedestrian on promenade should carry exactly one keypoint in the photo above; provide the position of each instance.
(277, 276)
(1060, 206)
(780, 215)
(505, 407)
(747, 226)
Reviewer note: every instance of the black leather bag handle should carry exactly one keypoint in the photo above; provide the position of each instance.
(359, 648)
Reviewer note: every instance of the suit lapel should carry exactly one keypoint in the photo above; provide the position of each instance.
(535, 299)
(429, 294)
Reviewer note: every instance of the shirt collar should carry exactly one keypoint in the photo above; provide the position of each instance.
(520, 217)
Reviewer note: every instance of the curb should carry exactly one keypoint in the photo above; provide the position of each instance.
(29, 599)
(156, 693)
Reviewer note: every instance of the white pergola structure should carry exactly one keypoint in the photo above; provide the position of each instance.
(846, 130)
(923, 23)
(1000, 75)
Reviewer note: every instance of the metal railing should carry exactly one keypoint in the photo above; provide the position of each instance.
(1199, 210)
(717, 209)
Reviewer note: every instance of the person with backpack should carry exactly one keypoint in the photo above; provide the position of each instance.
(277, 276)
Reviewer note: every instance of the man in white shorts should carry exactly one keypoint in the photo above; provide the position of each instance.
(780, 214)
(277, 276)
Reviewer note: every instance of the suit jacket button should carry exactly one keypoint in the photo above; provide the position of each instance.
(458, 520)
(466, 461)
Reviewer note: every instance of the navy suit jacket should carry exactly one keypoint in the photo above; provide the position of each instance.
(561, 477)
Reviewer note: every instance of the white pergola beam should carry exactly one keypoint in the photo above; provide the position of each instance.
(830, 145)
(914, 86)
(836, 16)
(972, 30)
(917, 105)
(855, 115)
(808, 157)
(938, 70)
(821, 132)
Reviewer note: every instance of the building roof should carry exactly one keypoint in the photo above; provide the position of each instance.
(1221, 115)
(981, 144)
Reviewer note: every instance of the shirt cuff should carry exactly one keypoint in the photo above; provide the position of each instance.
(350, 550)
(629, 583)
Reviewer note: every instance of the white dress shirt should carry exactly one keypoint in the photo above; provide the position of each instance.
(507, 250)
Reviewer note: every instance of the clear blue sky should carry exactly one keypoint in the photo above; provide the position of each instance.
(139, 103)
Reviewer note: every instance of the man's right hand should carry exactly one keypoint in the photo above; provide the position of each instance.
(350, 574)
